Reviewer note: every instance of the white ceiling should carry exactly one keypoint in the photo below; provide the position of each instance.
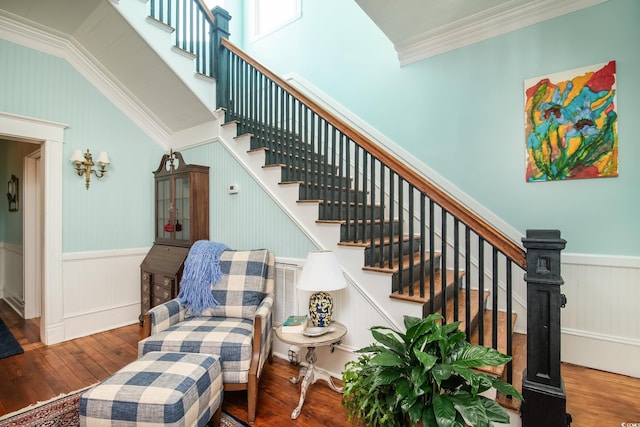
(106, 39)
(419, 29)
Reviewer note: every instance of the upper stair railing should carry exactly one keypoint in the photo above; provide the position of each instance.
(195, 29)
(315, 146)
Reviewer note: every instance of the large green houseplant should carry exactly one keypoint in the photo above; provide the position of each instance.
(424, 375)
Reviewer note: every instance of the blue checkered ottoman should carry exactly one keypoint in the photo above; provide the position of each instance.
(159, 388)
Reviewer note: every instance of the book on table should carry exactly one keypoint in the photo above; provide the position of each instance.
(294, 325)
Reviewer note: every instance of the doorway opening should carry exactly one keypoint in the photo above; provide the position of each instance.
(50, 136)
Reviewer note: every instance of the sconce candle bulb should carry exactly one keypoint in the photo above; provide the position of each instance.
(84, 164)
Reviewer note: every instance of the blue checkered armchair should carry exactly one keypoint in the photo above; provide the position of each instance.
(239, 330)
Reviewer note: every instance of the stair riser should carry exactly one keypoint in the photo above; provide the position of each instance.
(295, 158)
(363, 231)
(290, 174)
(316, 192)
(437, 301)
(406, 279)
(372, 254)
(333, 212)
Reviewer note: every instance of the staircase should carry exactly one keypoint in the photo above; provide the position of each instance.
(435, 253)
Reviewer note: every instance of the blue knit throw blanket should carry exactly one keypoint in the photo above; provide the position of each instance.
(201, 270)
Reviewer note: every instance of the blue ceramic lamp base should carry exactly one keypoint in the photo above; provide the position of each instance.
(320, 309)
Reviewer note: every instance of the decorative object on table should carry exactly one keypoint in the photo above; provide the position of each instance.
(84, 164)
(571, 124)
(317, 331)
(13, 189)
(294, 324)
(408, 378)
(321, 273)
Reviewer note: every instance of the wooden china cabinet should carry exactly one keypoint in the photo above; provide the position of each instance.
(181, 218)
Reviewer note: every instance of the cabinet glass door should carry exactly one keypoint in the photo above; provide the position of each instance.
(164, 225)
(183, 215)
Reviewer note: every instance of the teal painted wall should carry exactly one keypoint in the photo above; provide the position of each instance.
(461, 113)
(249, 219)
(4, 205)
(117, 211)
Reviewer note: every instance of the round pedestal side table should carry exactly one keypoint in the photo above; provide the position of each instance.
(311, 373)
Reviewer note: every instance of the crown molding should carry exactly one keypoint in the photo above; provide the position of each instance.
(507, 17)
(43, 39)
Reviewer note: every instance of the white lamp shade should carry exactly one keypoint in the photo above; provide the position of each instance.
(103, 157)
(321, 272)
(77, 156)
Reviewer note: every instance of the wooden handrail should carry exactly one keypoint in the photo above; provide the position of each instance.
(206, 11)
(485, 230)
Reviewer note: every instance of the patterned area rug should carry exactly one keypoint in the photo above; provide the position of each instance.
(8, 344)
(64, 411)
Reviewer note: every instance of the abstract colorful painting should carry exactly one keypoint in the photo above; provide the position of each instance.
(571, 124)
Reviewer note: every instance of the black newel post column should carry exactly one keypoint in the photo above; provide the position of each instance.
(542, 386)
(221, 57)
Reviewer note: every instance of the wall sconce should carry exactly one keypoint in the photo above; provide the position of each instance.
(84, 164)
(12, 193)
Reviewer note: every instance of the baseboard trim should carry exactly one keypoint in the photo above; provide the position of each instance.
(78, 325)
(597, 351)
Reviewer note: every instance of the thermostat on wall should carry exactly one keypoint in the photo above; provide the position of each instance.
(233, 188)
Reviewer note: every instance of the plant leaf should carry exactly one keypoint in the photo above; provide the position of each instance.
(441, 373)
(422, 326)
(426, 359)
(403, 388)
(387, 375)
(428, 417)
(494, 411)
(373, 348)
(410, 321)
(475, 356)
(389, 340)
(471, 409)
(444, 410)
(387, 358)
(505, 388)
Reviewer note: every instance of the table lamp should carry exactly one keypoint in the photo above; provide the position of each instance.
(321, 273)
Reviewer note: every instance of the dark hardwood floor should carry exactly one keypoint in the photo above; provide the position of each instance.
(594, 398)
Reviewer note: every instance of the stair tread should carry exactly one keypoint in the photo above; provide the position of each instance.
(488, 340)
(518, 366)
(377, 241)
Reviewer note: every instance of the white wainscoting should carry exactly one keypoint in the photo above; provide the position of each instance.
(601, 324)
(101, 290)
(600, 327)
(351, 307)
(11, 279)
